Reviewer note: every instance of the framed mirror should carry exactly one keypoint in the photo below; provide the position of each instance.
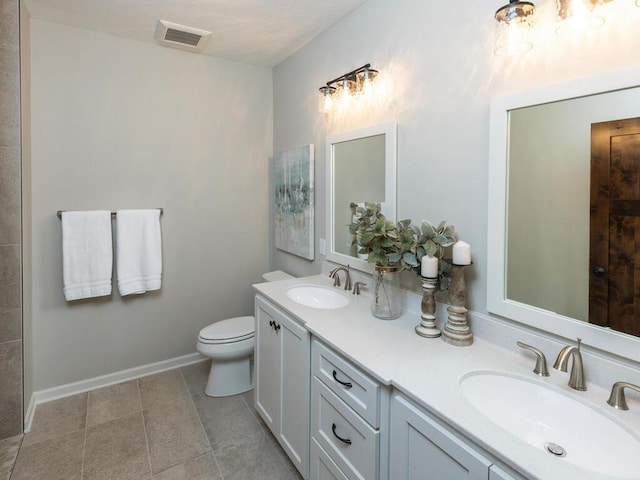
(361, 167)
(543, 197)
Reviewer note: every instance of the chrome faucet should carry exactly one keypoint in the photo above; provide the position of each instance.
(336, 278)
(576, 378)
(617, 399)
(541, 361)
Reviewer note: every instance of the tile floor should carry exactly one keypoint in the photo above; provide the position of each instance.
(161, 427)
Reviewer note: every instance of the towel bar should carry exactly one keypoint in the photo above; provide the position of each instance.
(113, 214)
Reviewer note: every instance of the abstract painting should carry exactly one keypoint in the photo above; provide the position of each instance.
(294, 209)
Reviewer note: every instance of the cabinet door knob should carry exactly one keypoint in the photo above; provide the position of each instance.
(599, 271)
(343, 440)
(344, 384)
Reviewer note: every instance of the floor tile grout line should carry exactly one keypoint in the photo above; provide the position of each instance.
(15, 460)
(193, 404)
(244, 400)
(283, 461)
(144, 428)
(84, 442)
(251, 410)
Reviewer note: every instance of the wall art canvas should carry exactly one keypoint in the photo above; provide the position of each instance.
(294, 208)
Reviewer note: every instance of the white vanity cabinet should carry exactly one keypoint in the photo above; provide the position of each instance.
(497, 473)
(348, 412)
(282, 366)
(422, 448)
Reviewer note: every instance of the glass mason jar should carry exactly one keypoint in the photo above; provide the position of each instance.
(386, 299)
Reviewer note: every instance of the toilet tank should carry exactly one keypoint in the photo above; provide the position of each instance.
(275, 276)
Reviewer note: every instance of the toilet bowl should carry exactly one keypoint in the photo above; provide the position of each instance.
(229, 344)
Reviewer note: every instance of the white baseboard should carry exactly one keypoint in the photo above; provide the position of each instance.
(43, 396)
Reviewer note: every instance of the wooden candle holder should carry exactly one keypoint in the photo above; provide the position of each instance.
(427, 327)
(456, 330)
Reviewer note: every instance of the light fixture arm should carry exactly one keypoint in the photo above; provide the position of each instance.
(351, 74)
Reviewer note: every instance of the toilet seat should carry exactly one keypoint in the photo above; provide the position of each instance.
(231, 330)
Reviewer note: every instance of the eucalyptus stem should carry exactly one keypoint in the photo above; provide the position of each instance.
(386, 295)
(380, 283)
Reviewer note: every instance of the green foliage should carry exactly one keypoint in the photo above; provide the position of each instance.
(375, 235)
(401, 244)
(432, 240)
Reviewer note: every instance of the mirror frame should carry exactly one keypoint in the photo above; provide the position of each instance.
(389, 208)
(618, 343)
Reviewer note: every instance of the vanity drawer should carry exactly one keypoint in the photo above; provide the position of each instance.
(346, 437)
(322, 467)
(350, 384)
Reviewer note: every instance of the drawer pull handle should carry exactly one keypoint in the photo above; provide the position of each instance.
(344, 384)
(271, 323)
(343, 440)
(277, 327)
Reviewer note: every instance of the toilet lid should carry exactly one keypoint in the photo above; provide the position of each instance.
(229, 330)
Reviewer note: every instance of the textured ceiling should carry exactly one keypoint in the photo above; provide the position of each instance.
(261, 32)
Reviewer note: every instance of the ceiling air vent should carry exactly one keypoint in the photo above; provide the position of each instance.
(180, 36)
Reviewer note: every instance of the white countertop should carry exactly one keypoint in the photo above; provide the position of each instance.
(429, 371)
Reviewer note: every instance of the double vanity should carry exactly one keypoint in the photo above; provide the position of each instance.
(349, 396)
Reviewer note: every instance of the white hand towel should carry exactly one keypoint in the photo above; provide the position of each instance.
(139, 251)
(87, 254)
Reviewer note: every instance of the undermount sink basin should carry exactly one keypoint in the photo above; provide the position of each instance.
(316, 296)
(554, 422)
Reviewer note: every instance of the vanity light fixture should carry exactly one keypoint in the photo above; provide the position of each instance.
(365, 79)
(346, 87)
(576, 16)
(346, 90)
(515, 28)
(325, 100)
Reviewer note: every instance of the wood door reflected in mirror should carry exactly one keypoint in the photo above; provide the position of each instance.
(614, 252)
(548, 209)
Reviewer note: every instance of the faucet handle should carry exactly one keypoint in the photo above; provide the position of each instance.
(356, 287)
(541, 361)
(617, 398)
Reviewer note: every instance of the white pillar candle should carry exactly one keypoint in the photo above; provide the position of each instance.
(429, 266)
(461, 253)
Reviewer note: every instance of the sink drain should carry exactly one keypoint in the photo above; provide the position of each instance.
(555, 449)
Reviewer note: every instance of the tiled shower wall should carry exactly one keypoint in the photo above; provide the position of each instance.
(10, 228)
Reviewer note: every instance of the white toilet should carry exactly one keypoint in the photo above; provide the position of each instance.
(229, 344)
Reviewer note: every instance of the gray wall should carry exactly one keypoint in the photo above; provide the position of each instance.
(117, 123)
(441, 74)
(10, 233)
